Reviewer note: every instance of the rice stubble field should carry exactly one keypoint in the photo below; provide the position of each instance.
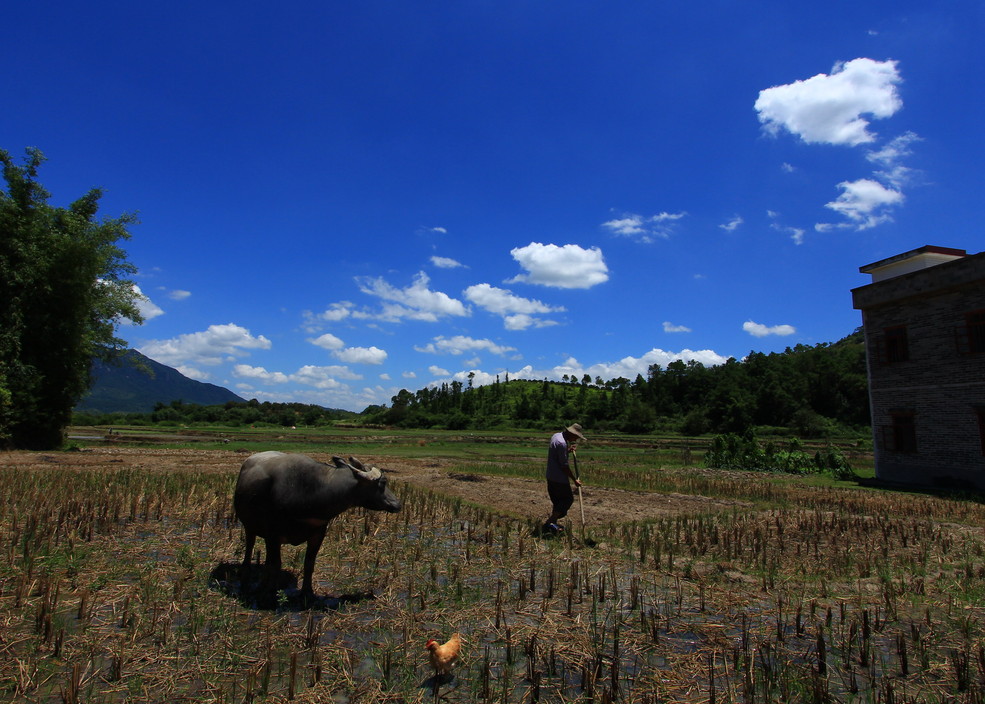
(119, 582)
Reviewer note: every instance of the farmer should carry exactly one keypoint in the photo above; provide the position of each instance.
(559, 473)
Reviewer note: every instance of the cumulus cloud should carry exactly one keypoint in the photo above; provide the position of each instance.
(828, 108)
(208, 347)
(351, 355)
(415, 302)
(435, 370)
(245, 371)
(445, 263)
(670, 327)
(362, 355)
(733, 224)
(569, 266)
(644, 228)
(518, 313)
(627, 367)
(324, 377)
(522, 321)
(308, 375)
(193, 373)
(179, 295)
(760, 330)
(336, 312)
(866, 203)
(460, 344)
(328, 342)
(148, 309)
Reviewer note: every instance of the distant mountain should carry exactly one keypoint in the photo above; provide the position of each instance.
(136, 383)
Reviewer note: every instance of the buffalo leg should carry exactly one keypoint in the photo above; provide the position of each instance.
(251, 539)
(244, 574)
(314, 545)
(272, 567)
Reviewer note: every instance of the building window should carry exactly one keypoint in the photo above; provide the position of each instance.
(894, 347)
(971, 338)
(901, 435)
(980, 412)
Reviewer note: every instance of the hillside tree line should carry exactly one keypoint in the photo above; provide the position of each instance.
(811, 391)
(814, 391)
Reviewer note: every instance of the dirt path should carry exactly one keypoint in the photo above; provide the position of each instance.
(527, 498)
(522, 498)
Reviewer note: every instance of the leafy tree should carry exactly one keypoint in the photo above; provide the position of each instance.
(64, 287)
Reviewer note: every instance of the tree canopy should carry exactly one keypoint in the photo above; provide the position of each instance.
(813, 391)
(64, 288)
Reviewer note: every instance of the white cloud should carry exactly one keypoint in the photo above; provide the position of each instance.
(336, 312)
(179, 295)
(328, 342)
(760, 330)
(644, 228)
(894, 150)
(628, 367)
(362, 355)
(733, 224)
(148, 309)
(193, 373)
(324, 377)
(459, 344)
(408, 375)
(245, 371)
(435, 370)
(670, 327)
(517, 312)
(628, 226)
(569, 266)
(522, 321)
(889, 157)
(796, 233)
(865, 202)
(416, 302)
(207, 347)
(827, 108)
(445, 263)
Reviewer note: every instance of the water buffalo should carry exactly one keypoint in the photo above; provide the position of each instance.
(286, 498)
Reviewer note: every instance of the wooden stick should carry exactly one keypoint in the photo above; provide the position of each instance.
(581, 501)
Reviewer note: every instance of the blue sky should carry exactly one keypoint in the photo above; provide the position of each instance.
(340, 200)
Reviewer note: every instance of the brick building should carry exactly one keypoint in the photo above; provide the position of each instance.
(924, 321)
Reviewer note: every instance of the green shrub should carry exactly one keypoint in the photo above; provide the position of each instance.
(731, 451)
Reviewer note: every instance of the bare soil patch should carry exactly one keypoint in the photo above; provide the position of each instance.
(526, 498)
(521, 498)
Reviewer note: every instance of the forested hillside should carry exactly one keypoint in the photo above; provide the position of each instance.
(132, 383)
(811, 390)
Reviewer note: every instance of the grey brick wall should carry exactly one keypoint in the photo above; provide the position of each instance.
(940, 383)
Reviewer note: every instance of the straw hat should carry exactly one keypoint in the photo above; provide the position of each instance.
(575, 429)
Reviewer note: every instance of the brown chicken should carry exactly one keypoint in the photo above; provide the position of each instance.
(443, 656)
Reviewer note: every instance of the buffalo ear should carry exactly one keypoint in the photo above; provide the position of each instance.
(339, 462)
(356, 463)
